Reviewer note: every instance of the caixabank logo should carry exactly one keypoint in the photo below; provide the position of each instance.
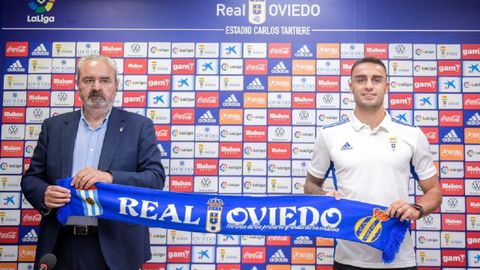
(40, 7)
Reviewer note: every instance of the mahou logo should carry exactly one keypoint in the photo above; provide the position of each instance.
(473, 205)
(346, 67)
(279, 117)
(12, 148)
(255, 133)
(38, 99)
(16, 49)
(453, 187)
(181, 183)
(135, 66)
(13, 115)
(453, 222)
(376, 50)
(230, 150)
(63, 82)
(111, 49)
(328, 83)
(253, 255)
(206, 167)
(472, 169)
(279, 151)
(303, 100)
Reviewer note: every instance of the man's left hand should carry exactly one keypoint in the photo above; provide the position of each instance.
(403, 210)
(88, 176)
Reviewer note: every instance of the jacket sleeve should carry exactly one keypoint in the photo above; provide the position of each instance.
(150, 172)
(34, 182)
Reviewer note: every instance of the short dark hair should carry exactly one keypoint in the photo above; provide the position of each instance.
(372, 60)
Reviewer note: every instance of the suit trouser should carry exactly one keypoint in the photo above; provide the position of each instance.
(79, 252)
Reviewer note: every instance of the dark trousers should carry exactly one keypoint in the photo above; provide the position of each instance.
(339, 266)
(79, 252)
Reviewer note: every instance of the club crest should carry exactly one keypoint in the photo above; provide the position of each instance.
(369, 229)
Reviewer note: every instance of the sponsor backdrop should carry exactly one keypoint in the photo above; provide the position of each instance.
(237, 91)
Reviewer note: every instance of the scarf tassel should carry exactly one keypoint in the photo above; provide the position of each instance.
(395, 241)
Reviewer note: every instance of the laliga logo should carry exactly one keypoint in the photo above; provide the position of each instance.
(41, 6)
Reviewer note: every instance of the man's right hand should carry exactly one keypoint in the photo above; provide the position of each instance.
(334, 193)
(56, 196)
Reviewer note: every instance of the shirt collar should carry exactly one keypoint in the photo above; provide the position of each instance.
(85, 123)
(358, 125)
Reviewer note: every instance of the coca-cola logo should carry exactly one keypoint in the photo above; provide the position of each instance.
(31, 218)
(16, 49)
(28, 217)
(182, 116)
(9, 235)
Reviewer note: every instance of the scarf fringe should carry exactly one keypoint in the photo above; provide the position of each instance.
(395, 241)
(64, 212)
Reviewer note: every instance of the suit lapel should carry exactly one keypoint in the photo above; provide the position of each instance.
(69, 133)
(113, 137)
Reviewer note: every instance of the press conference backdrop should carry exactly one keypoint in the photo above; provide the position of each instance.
(237, 91)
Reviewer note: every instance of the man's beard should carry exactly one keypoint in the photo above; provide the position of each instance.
(96, 99)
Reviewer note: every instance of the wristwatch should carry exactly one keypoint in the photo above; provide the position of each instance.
(419, 208)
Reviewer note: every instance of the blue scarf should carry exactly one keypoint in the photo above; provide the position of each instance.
(321, 216)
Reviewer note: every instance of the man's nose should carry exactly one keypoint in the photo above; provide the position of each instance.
(369, 84)
(97, 84)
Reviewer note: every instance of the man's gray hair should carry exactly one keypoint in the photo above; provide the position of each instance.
(103, 58)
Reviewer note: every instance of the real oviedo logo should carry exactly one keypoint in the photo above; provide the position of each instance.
(40, 7)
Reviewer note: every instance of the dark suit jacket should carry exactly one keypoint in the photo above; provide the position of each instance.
(129, 152)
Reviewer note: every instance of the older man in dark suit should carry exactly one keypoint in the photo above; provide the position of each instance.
(98, 143)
